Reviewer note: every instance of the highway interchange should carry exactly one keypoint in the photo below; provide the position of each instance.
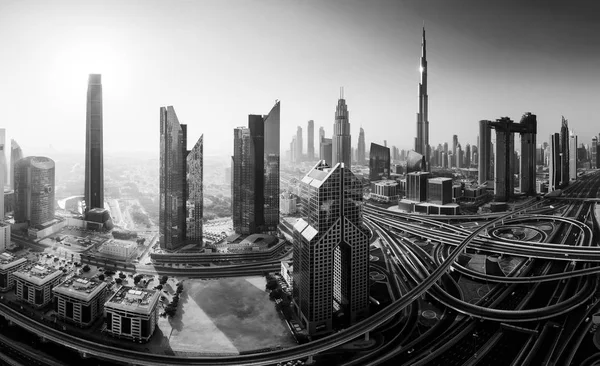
(544, 303)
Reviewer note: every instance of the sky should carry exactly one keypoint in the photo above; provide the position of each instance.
(218, 61)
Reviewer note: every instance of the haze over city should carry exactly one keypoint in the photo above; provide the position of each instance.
(289, 183)
(218, 61)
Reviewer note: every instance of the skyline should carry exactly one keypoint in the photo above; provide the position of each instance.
(481, 66)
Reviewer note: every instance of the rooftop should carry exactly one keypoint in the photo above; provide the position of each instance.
(38, 273)
(8, 260)
(134, 299)
(80, 287)
(119, 243)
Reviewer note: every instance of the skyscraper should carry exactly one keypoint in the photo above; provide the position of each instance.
(593, 152)
(564, 152)
(255, 174)
(468, 156)
(271, 169)
(195, 195)
(34, 190)
(422, 139)
(172, 183)
(321, 134)
(3, 165)
(485, 151)
(15, 155)
(572, 156)
(299, 143)
(326, 150)
(554, 168)
(527, 173)
(331, 250)
(94, 150)
(379, 162)
(310, 151)
(361, 147)
(341, 134)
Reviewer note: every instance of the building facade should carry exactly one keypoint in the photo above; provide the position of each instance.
(385, 191)
(331, 250)
(16, 154)
(439, 191)
(34, 190)
(341, 143)
(287, 203)
(172, 180)
(94, 145)
(132, 313)
(422, 139)
(9, 264)
(80, 300)
(310, 150)
(361, 153)
(34, 283)
(255, 174)
(416, 186)
(195, 195)
(326, 150)
(379, 162)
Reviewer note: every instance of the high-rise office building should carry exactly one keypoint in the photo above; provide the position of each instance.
(422, 139)
(255, 174)
(94, 150)
(467, 163)
(3, 165)
(195, 192)
(15, 155)
(172, 180)
(484, 150)
(593, 152)
(459, 157)
(326, 150)
(271, 168)
(379, 162)
(321, 134)
(310, 152)
(454, 144)
(416, 186)
(554, 161)
(299, 143)
(527, 173)
(331, 250)
(572, 156)
(34, 190)
(565, 153)
(361, 147)
(293, 150)
(341, 134)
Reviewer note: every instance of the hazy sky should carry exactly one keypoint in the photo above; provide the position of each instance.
(218, 61)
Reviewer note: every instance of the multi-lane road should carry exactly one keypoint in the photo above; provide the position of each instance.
(536, 304)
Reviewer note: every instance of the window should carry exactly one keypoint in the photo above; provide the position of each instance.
(125, 325)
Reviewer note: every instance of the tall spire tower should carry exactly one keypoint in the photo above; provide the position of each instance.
(341, 145)
(422, 139)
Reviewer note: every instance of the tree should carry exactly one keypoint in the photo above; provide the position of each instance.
(108, 272)
(118, 281)
(122, 275)
(164, 280)
(101, 277)
(137, 278)
(179, 288)
(86, 268)
(272, 284)
(158, 287)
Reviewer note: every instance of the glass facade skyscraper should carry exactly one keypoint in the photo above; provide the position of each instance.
(331, 250)
(361, 154)
(34, 190)
(310, 150)
(194, 179)
(379, 162)
(15, 155)
(255, 174)
(172, 180)
(94, 151)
